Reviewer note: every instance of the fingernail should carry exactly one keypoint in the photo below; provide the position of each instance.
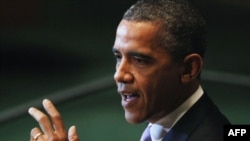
(45, 101)
(30, 110)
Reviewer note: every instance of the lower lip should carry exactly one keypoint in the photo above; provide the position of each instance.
(127, 103)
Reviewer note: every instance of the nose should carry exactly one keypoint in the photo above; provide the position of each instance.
(123, 73)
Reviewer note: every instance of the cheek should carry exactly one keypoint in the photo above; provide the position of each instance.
(160, 90)
(150, 88)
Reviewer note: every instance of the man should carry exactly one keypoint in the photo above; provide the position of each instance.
(159, 49)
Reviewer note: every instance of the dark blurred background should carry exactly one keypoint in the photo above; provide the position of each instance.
(60, 49)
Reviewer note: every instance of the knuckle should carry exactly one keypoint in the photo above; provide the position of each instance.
(42, 118)
(63, 138)
(53, 138)
(56, 116)
(57, 138)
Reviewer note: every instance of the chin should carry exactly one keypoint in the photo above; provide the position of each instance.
(133, 119)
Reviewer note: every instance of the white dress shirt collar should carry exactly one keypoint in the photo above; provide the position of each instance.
(170, 120)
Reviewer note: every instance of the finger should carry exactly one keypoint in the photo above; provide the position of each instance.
(43, 121)
(36, 134)
(72, 134)
(55, 116)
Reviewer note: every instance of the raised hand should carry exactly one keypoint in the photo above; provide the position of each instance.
(51, 126)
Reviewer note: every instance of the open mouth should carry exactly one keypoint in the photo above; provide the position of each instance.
(129, 100)
(130, 96)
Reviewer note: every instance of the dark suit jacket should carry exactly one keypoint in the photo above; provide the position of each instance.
(202, 122)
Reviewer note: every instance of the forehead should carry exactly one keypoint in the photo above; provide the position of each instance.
(140, 31)
(139, 35)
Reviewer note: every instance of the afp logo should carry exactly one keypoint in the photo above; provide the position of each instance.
(237, 132)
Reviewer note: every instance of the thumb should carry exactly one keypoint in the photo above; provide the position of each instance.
(72, 134)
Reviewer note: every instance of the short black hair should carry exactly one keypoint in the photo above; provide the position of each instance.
(182, 28)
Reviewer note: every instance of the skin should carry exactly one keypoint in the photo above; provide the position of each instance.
(53, 130)
(148, 71)
(158, 83)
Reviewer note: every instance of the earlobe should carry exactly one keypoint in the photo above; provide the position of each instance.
(192, 65)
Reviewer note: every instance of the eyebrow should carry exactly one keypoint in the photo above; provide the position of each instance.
(133, 53)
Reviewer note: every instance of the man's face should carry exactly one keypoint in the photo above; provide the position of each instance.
(146, 76)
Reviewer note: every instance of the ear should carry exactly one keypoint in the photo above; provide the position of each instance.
(192, 64)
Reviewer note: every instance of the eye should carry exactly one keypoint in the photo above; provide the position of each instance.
(117, 56)
(141, 61)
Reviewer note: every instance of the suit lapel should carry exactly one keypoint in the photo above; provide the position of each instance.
(191, 119)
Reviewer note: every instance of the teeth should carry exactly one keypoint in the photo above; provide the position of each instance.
(129, 96)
